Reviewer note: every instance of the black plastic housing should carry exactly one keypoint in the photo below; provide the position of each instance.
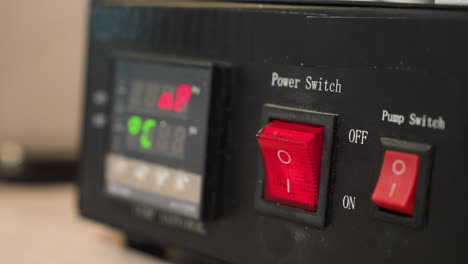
(404, 61)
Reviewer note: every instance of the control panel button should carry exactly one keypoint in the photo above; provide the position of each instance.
(100, 98)
(396, 188)
(292, 155)
(99, 120)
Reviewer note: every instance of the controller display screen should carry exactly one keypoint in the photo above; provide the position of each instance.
(160, 115)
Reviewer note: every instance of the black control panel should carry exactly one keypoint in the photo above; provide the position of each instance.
(276, 133)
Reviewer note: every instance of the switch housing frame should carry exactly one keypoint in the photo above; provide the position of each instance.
(327, 120)
(421, 201)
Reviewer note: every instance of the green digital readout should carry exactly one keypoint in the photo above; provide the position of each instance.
(145, 142)
(136, 125)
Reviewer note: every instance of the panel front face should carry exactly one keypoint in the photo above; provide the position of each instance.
(346, 100)
(158, 135)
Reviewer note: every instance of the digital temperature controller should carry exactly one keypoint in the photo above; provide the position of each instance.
(159, 134)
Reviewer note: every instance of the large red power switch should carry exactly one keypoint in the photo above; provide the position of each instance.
(292, 154)
(396, 187)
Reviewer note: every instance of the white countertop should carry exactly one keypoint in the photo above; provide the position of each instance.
(39, 223)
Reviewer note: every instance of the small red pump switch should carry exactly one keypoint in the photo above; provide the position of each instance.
(396, 187)
(292, 154)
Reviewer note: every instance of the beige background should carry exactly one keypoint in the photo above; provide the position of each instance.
(41, 69)
(39, 224)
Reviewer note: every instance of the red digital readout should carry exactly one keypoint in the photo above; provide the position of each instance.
(183, 95)
(166, 101)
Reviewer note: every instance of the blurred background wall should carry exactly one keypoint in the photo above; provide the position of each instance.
(41, 75)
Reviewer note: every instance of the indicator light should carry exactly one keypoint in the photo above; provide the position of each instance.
(396, 188)
(292, 155)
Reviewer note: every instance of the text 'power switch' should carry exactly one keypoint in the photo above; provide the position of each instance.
(292, 154)
(396, 188)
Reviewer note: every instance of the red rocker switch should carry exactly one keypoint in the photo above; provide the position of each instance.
(396, 188)
(292, 154)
